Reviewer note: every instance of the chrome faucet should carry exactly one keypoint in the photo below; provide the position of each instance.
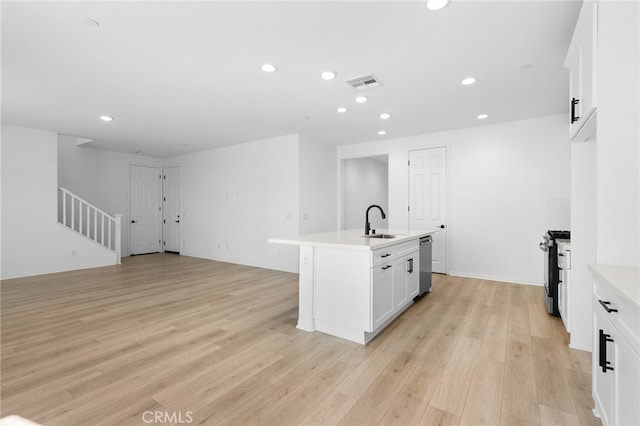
(367, 225)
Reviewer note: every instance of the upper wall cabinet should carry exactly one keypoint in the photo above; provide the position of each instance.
(581, 61)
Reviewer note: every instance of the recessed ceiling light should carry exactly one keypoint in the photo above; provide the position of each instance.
(342, 109)
(436, 4)
(382, 132)
(385, 115)
(106, 118)
(268, 68)
(328, 75)
(361, 99)
(469, 80)
(482, 116)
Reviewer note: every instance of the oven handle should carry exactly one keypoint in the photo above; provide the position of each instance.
(544, 247)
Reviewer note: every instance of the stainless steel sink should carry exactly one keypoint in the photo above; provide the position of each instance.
(379, 236)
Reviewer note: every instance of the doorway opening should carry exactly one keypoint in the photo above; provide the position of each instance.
(365, 181)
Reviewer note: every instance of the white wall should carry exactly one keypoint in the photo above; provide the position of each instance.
(100, 177)
(233, 199)
(508, 184)
(33, 242)
(365, 181)
(317, 192)
(618, 128)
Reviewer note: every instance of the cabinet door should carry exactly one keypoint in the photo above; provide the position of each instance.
(626, 378)
(381, 294)
(575, 91)
(563, 297)
(603, 351)
(412, 266)
(581, 62)
(399, 282)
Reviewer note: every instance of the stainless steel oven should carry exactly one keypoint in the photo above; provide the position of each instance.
(549, 245)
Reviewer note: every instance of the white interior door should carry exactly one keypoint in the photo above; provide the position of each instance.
(171, 210)
(146, 209)
(428, 199)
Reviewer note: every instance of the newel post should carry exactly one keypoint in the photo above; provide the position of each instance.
(118, 240)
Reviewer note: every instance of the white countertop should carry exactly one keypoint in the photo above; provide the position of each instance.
(352, 239)
(624, 279)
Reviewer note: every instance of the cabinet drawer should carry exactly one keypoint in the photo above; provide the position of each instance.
(389, 253)
(619, 311)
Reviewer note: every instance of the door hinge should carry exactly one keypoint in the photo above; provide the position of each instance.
(164, 243)
(408, 208)
(164, 221)
(408, 162)
(164, 198)
(159, 241)
(159, 176)
(165, 177)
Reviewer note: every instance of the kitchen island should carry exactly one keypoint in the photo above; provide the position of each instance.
(351, 286)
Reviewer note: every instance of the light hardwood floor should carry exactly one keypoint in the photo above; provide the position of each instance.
(216, 343)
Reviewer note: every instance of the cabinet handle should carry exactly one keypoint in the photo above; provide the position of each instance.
(386, 255)
(606, 307)
(410, 265)
(574, 102)
(386, 267)
(602, 361)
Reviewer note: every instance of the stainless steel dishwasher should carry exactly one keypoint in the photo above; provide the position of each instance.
(425, 265)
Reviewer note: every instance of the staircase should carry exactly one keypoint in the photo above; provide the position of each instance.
(89, 221)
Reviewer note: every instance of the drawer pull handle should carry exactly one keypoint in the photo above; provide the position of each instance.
(386, 255)
(386, 267)
(606, 307)
(574, 117)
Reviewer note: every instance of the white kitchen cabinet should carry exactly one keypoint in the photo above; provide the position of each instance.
(381, 295)
(353, 287)
(394, 282)
(581, 61)
(616, 351)
(358, 293)
(405, 279)
(564, 284)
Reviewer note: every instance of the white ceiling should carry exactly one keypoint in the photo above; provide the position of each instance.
(185, 76)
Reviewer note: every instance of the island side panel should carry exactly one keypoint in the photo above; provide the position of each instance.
(343, 291)
(306, 289)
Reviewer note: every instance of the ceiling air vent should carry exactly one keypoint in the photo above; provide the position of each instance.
(364, 82)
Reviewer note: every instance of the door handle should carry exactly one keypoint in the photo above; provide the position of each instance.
(177, 221)
(134, 221)
(442, 226)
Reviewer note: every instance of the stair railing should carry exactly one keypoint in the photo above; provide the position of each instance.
(89, 221)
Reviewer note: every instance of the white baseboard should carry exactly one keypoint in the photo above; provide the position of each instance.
(511, 280)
